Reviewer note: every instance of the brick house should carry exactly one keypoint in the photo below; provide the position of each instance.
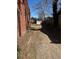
(23, 16)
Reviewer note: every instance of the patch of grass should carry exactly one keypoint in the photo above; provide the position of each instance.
(27, 51)
(18, 52)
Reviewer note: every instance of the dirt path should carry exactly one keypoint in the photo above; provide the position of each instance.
(39, 47)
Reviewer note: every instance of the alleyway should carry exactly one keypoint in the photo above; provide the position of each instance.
(40, 46)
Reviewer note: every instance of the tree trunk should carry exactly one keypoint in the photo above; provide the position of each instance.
(55, 16)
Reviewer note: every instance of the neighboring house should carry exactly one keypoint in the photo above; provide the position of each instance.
(23, 16)
(38, 22)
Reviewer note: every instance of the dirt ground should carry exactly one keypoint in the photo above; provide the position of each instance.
(37, 46)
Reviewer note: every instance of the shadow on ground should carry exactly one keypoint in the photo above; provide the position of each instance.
(54, 33)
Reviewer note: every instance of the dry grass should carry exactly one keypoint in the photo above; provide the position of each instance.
(35, 26)
(36, 45)
(24, 47)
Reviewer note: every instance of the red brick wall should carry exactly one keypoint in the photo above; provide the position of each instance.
(22, 17)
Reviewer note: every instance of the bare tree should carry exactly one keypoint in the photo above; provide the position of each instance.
(41, 8)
